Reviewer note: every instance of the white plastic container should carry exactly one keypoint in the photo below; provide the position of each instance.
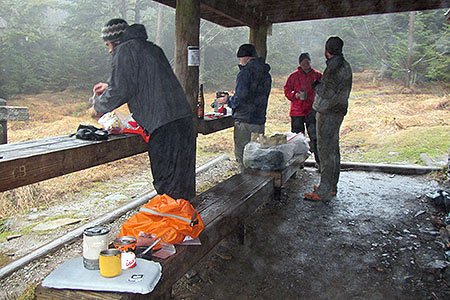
(95, 240)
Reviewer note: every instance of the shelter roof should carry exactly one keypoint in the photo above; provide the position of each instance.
(233, 13)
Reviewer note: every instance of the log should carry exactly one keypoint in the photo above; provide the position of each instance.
(385, 168)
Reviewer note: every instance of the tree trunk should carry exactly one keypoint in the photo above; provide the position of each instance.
(159, 25)
(412, 18)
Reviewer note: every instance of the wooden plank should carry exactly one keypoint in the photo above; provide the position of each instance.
(38, 160)
(14, 113)
(232, 13)
(281, 176)
(210, 126)
(222, 208)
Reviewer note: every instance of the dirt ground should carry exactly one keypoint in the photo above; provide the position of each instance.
(375, 240)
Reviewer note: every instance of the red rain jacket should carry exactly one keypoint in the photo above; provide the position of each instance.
(296, 82)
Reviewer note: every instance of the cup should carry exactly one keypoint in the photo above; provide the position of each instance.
(110, 263)
(302, 95)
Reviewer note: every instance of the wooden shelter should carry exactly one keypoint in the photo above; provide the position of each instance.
(259, 15)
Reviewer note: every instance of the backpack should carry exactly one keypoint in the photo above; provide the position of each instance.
(166, 218)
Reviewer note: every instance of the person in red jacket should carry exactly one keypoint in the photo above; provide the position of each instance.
(299, 91)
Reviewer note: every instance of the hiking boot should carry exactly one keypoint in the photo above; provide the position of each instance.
(312, 197)
(316, 187)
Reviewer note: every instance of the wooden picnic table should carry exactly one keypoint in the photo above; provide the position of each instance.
(37, 160)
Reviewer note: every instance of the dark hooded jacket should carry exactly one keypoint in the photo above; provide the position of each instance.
(143, 78)
(253, 84)
(334, 89)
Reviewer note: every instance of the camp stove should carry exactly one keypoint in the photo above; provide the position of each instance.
(217, 107)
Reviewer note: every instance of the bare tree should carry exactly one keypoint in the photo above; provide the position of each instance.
(412, 19)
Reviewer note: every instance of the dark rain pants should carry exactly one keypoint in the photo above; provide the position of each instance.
(242, 136)
(298, 125)
(328, 126)
(172, 158)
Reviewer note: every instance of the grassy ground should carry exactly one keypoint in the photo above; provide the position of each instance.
(386, 123)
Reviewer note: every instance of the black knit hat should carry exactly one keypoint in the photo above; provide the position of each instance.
(112, 31)
(247, 50)
(334, 45)
(304, 56)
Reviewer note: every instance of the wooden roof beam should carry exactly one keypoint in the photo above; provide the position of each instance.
(237, 14)
(245, 16)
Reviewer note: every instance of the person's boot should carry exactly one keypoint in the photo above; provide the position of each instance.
(312, 197)
(316, 187)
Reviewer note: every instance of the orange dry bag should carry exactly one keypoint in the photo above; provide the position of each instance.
(166, 218)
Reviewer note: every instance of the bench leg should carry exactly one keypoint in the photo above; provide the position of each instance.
(277, 193)
(241, 232)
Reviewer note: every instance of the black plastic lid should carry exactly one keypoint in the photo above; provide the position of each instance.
(96, 230)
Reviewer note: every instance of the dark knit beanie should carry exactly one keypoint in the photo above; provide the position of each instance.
(112, 31)
(334, 45)
(247, 50)
(304, 56)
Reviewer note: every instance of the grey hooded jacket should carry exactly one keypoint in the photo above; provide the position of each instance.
(334, 89)
(143, 78)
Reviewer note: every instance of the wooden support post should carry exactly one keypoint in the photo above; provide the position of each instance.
(258, 37)
(187, 31)
(3, 124)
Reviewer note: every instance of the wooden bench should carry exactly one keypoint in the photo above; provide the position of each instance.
(280, 177)
(223, 209)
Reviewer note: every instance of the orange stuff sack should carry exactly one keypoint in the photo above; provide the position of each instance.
(166, 218)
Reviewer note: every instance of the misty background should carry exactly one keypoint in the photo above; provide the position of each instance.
(55, 45)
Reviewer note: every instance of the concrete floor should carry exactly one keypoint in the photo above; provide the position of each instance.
(375, 240)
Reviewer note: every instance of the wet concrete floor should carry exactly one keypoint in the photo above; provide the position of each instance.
(375, 240)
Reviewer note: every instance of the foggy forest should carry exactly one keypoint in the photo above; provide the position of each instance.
(54, 45)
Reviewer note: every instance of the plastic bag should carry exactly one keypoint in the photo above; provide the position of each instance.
(165, 218)
(301, 145)
(114, 122)
(268, 159)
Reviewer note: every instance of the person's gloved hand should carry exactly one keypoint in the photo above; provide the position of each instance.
(314, 84)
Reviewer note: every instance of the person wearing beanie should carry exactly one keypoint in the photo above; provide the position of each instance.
(298, 90)
(331, 105)
(143, 79)
(249, 102)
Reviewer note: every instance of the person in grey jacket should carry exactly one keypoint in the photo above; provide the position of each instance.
(143, 78)
(331, 104)
(249, 102)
